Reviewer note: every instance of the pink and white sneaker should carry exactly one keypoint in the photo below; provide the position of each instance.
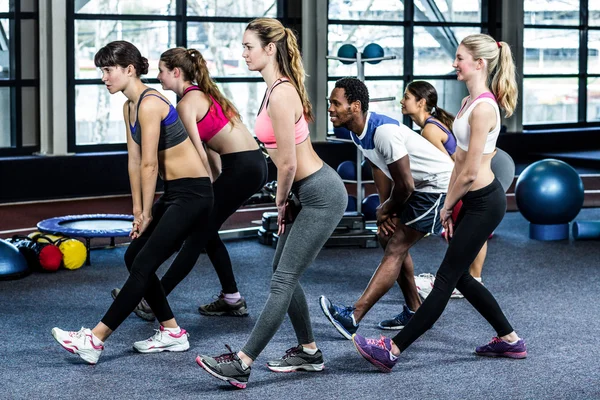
(80, 343)
(163, 340)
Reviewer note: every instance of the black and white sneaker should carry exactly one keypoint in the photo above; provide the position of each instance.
(295, 359)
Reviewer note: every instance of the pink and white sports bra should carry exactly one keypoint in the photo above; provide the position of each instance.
(213, 121)
(263, 128)
(462, 130)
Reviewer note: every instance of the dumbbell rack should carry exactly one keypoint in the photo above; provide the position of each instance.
(360, 190)
(360, 64)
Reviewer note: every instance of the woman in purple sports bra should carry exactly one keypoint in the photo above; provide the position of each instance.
(281, 125)
(157, 144)
(420, 104)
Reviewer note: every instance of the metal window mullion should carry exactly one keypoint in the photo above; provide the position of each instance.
(583, 61)
(71, 123)
(181, 24)
(16, 91)
(409, 49)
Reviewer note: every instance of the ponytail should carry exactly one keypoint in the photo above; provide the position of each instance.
(289, 59)
(443, 116)
(504, 84)
(297, 74)
(208, 86)
(194, 69)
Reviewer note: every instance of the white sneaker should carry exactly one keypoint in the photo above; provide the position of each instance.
(424, 283)
(80, 343)
(163, 340)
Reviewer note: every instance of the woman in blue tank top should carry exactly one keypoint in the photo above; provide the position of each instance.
(157, 144)
(420, 104)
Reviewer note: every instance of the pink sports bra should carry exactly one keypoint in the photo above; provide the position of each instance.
(213, 121)
(263, 128)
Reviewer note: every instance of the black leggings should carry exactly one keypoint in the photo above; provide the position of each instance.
(481, 213)
(186, 203)
(242, 175)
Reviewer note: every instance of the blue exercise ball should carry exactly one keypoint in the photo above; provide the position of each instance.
(341, 133)
(351, 203)
(369, 207)
(12, 263)
(347, 170)
(373, 50)
(347, 51)
(549, 192)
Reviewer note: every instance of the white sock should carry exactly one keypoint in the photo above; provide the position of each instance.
(312, 352)
(172, 330)
(232, 298)
(354, 320)
(478, 279)
(515, 342)
(243, 364)
(393, 357)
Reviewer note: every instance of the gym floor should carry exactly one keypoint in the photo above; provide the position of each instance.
(547, 289)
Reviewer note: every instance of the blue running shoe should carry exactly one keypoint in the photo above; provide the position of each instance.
(341, 317)
(399, 321)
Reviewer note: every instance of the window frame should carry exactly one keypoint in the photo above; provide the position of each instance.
(582, 75)
(15, 82)
(409, 23)
(181, 20)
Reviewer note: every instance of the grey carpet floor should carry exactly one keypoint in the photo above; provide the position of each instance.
(549, 291)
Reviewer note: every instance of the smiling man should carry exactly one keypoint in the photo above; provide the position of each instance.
(411, 176)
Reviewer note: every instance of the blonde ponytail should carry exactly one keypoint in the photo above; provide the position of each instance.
(504, 84)
(289, 59)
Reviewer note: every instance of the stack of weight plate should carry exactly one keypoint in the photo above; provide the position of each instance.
(351, 231)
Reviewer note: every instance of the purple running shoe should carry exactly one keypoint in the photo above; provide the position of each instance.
(499, 348)
(376, 351)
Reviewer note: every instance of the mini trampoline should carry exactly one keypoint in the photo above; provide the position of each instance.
(88, 226)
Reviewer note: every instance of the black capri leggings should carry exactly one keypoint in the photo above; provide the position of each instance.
(481, 213)
(186, 203)
(242, 174)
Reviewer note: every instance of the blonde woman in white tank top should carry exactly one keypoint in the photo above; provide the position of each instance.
(484, 203)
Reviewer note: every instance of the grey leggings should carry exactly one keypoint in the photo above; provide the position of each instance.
(323, 198)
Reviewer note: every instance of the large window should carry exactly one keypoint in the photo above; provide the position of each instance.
(18, 77)
(561, 70)
(213, 27)
(422, 34)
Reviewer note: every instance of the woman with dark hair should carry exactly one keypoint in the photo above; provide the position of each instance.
(282, 126)
(157, 143)
(420, 103)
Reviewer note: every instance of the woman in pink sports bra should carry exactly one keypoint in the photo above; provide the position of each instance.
(478, 58)
(281, 125)
(212, 121)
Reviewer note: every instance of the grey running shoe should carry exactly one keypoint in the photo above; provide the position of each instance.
(227, 367)
(221, 307)
(142, 310)
(296, 359)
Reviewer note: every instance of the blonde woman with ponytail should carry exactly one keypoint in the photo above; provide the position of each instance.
(212, 121)
(282, 125)
(479, 61)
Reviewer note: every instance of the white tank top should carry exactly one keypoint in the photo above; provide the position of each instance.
(462, 130)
